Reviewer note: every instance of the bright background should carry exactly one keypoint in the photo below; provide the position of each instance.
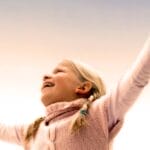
(35, 35)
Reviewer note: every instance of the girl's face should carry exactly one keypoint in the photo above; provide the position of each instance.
(60, 85)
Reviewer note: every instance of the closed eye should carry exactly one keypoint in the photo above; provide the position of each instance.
(57, 71)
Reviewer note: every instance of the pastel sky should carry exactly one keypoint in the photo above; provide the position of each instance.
(37, 34)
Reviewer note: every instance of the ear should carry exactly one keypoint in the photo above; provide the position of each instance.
(84, 88)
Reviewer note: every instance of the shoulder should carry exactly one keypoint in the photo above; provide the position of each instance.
(99, 107)
(100, 102)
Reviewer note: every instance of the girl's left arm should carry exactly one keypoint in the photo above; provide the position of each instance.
(129, 87)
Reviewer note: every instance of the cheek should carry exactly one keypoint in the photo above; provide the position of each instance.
(68, 82)
(65, 83)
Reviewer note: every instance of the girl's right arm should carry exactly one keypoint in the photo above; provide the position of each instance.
(12, 134)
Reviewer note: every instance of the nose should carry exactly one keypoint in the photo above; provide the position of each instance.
(45, 77)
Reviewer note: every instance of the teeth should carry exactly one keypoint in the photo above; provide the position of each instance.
(48, 85)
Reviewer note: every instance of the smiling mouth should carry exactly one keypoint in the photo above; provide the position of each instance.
(47, 84)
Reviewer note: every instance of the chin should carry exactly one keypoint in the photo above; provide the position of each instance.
(45, 100)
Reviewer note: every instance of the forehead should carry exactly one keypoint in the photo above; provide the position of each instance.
(69, 65)
(64, 63)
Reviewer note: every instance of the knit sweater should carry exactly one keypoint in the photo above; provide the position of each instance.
(104, 119)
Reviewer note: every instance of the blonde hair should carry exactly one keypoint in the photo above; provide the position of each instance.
(84, 73)
(32, 129)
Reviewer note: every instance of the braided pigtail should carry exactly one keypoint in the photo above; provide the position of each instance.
(32, 129)
(80, 118)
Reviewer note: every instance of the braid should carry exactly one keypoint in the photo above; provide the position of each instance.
(80, 118)
(33, 128)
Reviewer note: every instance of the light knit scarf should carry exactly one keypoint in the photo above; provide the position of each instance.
(63, 109)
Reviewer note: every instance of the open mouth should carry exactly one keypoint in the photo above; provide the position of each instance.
(47, 84)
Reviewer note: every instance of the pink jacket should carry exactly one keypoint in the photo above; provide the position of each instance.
(104, 120)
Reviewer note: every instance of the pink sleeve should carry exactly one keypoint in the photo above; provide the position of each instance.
(12, 134)
(129, 86)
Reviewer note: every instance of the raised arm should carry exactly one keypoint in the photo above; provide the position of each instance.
(12, 134)
(129, 86)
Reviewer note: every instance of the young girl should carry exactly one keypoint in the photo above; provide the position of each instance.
(79, 113)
